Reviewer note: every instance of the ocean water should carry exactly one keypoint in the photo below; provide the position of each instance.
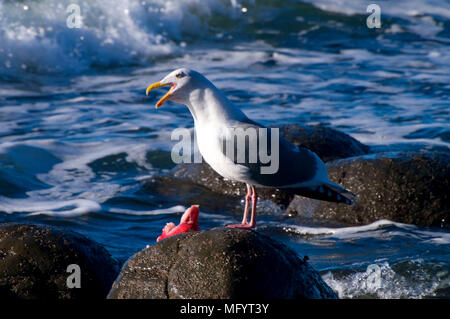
(78, 136)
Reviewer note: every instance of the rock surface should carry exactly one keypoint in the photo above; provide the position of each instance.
(326, 142)
(218, 263)
(170, 189)
(409, 188)
(34, 261)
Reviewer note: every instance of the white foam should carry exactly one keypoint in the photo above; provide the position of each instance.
(74, 176)
(304, 230)
(113, 32)
(372, 230)
(67, 208)
(380, 280)
(170, 210)
(291, 57)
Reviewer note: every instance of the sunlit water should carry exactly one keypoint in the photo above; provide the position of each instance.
(78, 136)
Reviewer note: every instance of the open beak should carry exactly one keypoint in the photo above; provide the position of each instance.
(158, 85)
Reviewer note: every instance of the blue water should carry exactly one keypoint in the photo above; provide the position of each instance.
(78, 136)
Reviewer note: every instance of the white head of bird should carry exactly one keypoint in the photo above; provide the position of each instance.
(192, 89)
(182, 82)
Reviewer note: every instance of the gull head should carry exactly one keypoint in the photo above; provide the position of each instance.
(182, 82)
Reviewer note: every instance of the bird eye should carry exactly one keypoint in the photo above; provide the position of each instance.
(179, 75)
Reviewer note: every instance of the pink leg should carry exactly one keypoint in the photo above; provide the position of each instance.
(251, 193)
(254, 201)
(247, 202)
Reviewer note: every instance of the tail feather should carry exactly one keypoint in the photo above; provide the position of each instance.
(330, 192)
(341, 190)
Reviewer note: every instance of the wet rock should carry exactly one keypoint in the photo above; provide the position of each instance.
(326, 142)
(34, 261)
(219, 263)
(409, 188)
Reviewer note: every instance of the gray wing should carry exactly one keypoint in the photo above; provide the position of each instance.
(295, 164)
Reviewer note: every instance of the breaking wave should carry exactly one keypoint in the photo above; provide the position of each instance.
(409, 279)
(36, 38)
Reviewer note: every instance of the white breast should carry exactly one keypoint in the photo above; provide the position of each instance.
(209, 140)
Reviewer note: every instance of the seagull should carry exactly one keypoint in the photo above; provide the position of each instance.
(238, 148)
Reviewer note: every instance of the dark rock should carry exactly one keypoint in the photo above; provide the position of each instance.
(171, 190)
(409, 188)
(219, 263)
(326, 142)
(34, 261)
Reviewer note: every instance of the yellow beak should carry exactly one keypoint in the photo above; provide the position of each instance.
(158, 85)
